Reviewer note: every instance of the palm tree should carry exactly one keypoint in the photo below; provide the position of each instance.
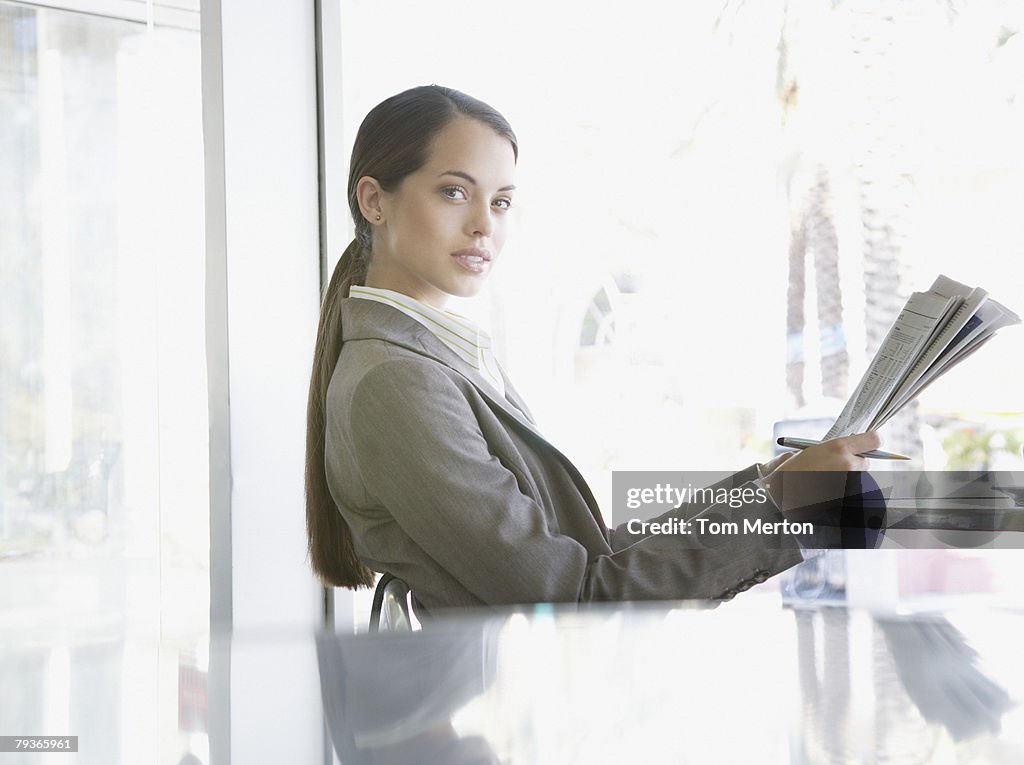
(807, 178)
(876, 31)
(867, 33)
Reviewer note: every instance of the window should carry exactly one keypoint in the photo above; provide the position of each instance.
(684, 146)
(104, 519)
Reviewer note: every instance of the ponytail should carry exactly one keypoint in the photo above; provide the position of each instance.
(331, 551)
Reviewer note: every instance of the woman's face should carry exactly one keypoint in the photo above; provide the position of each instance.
(442, 229)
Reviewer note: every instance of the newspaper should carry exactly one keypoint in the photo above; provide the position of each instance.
(934, 332)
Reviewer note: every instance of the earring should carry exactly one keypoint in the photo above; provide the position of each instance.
(378, 217)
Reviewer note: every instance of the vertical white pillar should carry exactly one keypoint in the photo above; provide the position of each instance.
(263, 280)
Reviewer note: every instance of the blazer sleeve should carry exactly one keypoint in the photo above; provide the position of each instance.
(422, 456)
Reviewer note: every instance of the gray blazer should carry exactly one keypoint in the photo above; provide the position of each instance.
(451, 487)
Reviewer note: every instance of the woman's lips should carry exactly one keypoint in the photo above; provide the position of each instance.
(473, 259)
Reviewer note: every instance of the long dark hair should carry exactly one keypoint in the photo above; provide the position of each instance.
(393, 141)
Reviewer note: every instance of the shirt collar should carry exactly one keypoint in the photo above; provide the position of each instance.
(461, 335)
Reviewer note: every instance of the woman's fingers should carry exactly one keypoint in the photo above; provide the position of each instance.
(862, 442)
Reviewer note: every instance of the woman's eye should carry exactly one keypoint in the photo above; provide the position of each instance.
(454, 192)
(504, 203)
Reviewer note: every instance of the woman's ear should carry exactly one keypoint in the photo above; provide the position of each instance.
(370, 196)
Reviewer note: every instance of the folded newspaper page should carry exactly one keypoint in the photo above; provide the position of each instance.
(934, 332)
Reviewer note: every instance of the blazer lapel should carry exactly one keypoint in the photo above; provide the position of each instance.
(367, 319)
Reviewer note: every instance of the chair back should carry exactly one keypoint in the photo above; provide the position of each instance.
(390, 610)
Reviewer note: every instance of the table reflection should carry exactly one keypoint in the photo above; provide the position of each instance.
(751, 681)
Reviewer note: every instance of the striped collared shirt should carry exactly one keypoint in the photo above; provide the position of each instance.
(469, 342)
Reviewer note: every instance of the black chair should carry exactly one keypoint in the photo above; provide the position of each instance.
(390, 611)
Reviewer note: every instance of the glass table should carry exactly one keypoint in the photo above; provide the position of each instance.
(755, 680)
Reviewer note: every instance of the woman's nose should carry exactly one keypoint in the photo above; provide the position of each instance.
(482, 222)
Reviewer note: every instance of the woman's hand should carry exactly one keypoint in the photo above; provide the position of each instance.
(835, 455)
(830, 461)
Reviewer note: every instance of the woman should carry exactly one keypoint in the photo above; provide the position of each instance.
(422, 460)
